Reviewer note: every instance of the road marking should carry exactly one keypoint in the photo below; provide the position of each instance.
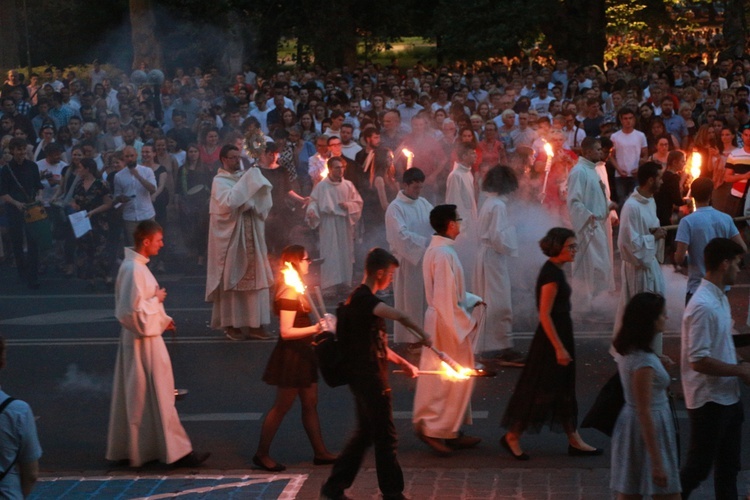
(36, 342)
(292, 484)
(221, 417)
(406, 415)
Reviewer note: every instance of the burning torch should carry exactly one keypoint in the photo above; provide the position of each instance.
(547, 167)
(409, 157)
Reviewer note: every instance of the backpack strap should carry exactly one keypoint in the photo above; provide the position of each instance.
(8, 401)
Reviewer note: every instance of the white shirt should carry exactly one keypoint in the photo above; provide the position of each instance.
(628, 149)
(707, 332)
(139, 207)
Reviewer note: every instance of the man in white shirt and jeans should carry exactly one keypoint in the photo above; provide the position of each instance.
(711, 375)
(134, 186)
(630, 150)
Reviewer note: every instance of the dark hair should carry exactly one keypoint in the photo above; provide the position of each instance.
(378, 259)
(463, 150)
(638, 323)
(701, 189)
(554, 241)
(441, 216)
(17, 143)
(674, 156)
(292, 254)
(225, 149)
(413, 175)
(145, 230)
(501, 180)
(369, 132)
(588, 143)
(625, 111)
(647, 171)
(272, 147)
(718, 250)
(90, 165)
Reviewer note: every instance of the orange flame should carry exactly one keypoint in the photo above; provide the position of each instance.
(451, 374)
(695, 165)
(409, 157)
(324, 172)
(292, 278)
(548, 149)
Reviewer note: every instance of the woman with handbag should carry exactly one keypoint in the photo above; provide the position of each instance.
(645, 458)
(293, 367)
(20, 185)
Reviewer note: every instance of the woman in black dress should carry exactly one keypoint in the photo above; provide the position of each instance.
(293, 368)
(545, 393)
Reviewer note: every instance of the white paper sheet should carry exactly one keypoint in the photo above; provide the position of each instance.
(81, 224)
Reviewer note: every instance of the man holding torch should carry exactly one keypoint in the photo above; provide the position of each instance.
(362, 334)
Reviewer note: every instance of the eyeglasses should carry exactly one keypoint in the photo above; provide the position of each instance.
(334, 144)
(572, 247)
(307, 259)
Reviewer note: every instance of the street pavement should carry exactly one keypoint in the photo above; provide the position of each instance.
(62, 344)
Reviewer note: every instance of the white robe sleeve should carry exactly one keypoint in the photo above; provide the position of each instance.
(446, 301)
(634, 240)
(579, 214)
(138, 309)
(353, 203)
(404, 242)
(501, 235)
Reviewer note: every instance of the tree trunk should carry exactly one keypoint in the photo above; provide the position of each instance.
(335, 43)
(9, 38)
(582, 37)
(234, 53)
(735, 28)
(146, 46)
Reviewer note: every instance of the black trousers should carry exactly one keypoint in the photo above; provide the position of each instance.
(715, 441)
(27, 264)
(374, 427)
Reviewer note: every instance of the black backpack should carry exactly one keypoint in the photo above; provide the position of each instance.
(328, 349)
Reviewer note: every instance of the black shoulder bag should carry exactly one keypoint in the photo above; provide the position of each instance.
(13, 463)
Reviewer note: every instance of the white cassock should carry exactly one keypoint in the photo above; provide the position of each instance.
(336, 228)
(587, 198)
(408, 231)
(601, 169)
(497, 243)
(143, 421)
(638, 247)
(239, 275)
(460, 192)
(442, 406)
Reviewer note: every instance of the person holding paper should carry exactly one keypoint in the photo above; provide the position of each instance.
(92, 196)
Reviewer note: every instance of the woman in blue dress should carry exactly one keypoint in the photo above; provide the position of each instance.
(644, 443)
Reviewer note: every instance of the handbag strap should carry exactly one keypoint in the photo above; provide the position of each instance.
(8, 401)
(19, 184)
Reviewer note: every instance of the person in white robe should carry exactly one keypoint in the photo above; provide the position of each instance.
(638, 241)
(498, 244)
(334, 209)
(239, 275)
(408, 231)
(613, 220)
(461, 191)
(442, 405)
(589, 208)
(143, 421)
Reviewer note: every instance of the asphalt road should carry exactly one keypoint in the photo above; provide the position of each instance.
(63, 341)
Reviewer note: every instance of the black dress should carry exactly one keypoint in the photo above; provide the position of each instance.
(292, 363)
(545, 393)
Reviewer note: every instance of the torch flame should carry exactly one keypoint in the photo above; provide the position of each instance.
(407, 153)
(548, 149)
(324, 172)
(450, 373)
(292, 278)
(695, 165)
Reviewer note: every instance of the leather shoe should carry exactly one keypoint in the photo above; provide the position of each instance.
(258, 334)
(274, 468)
(577, 452)
(504, 443)
(436, 444)
(192, 459)
(463, 442)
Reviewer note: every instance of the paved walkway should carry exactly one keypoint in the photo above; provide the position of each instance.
(421, 484)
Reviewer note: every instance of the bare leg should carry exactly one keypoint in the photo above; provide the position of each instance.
(309, 399)
(576, 441)
(284, 399)
(513, 437)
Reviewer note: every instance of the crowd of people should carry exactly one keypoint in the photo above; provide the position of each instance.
(439, 165)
